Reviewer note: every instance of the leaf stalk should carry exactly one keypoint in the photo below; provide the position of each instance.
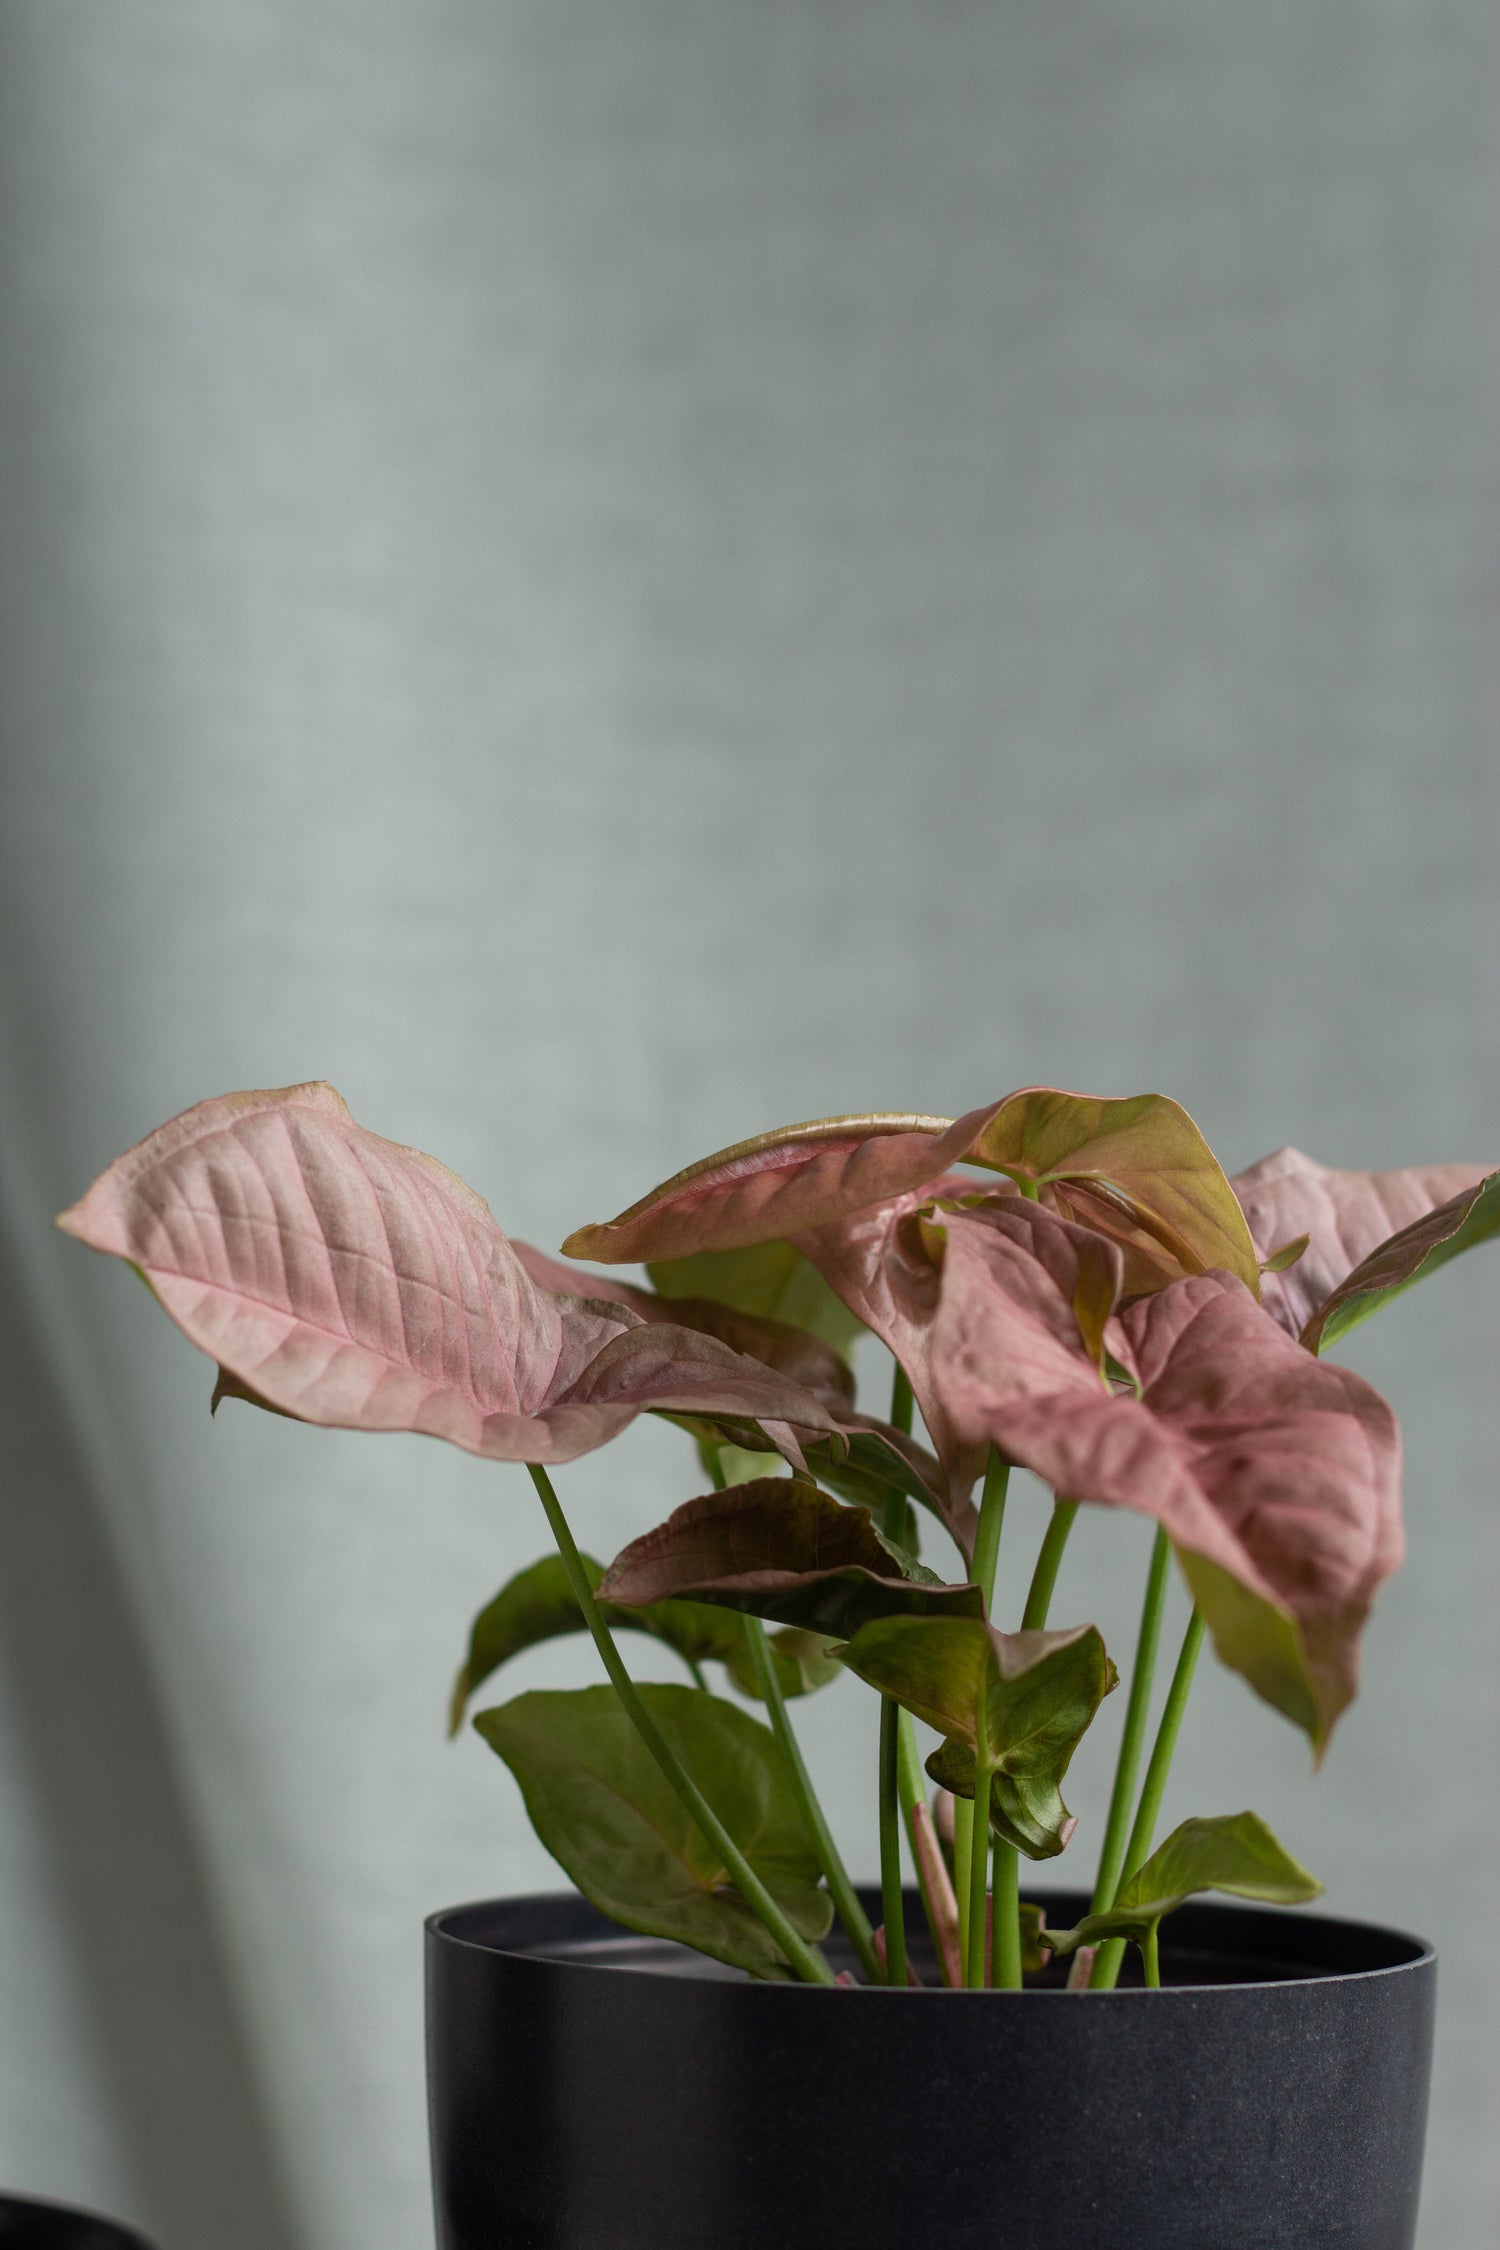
(807, 1961)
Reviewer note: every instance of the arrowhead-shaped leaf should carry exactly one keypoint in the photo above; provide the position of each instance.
(1041, 1689)
(778, 1184)
(782, 1549)
(1276, 1475)
(599, 1802)
(770, 1280)
(345, 1280)
(538, 1605)
(1138, 1170)
(1350, 1219)
(1235, 1853)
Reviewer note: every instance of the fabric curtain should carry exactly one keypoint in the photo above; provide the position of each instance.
(610, 573)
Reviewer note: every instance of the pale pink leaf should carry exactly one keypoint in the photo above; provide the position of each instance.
(780, 1184)
(347, 1280)
(1345, 1215)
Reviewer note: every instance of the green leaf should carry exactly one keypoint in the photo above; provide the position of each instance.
(1033, 1922)
(782, 1549)
(538, 1605)
(769, 1279)
(1041, 1690)
(1235, 1853)
(601, 1805)
(1138, 1170)
(1407, 1258)
(801, 1659)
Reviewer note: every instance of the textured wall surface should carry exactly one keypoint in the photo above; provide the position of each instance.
(607, 573)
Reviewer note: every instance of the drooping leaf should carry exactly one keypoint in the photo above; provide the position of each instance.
(775, 1186)
(345, 1280)
(1138, 1170)
(780, 1548)
(1348, 1218)
(1276, 1475)
(1469, 1218)
(890, 1263)
(792, 1351)
(1041, 1693)
(801, 1659)
(538, 1605)
(1235, 1853)
(770, 1280)
(600, 1804)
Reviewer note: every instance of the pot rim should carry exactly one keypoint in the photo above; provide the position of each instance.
(17, 2199)
(1419, 1952)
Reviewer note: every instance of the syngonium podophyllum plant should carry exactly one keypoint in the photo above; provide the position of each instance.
(1089, 1297)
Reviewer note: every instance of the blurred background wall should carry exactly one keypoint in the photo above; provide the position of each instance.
(609, 573)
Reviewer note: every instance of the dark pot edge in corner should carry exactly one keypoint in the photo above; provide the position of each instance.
(56, 2226)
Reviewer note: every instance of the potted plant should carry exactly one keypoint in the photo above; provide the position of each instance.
(721, 2038)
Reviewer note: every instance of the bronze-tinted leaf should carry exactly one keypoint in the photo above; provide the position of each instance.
(1137, 1169)
(1347, 1218)
(781, 1549)
(1041, 1693)
(1276, 1475)
(779, 1184)
(345, 1280)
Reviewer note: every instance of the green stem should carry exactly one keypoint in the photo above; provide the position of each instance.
(891, 1905)
(698, 1675)
(1044, 1577)
(1006, 1968)
(902, 1402)
(1149, 1961)
(963, 1853)
(804, 1958)
(982, 1570)
(1106, 1968)
(991, 1524)
(825, 1850)
(1133, 1738)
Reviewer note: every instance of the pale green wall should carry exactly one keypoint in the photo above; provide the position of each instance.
(606, 573)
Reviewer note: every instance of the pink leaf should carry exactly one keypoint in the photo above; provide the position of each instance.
(888, 1264)
(1345, 1215)
(1276, 1475)
(346, 1280)
(781, 1183)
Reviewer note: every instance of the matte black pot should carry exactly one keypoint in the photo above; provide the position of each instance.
(25, 2225)
(595, 2091)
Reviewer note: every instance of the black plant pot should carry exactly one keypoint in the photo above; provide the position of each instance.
(595, 2091)
(25, 2225)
